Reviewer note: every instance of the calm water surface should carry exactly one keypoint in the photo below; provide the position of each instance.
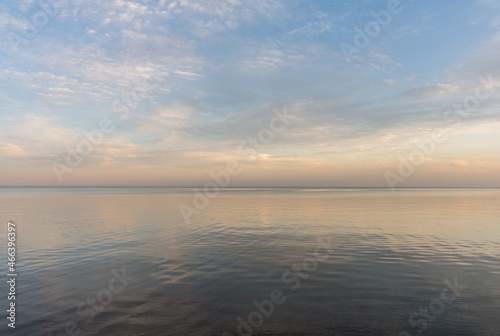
(391, 254)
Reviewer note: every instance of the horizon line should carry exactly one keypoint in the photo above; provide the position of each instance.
(247, 187)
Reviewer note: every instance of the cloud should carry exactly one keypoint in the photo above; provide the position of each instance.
(228, 65)
(12, 151)
(432, 90)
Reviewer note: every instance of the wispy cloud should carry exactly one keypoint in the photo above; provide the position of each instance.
(228, 65)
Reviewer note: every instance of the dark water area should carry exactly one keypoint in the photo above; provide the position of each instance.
(264, 261)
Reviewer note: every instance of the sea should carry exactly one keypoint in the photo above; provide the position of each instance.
(251, 261)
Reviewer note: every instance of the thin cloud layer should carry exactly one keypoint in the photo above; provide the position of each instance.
(184, 83)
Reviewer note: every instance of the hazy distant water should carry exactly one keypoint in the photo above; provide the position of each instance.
(393, 252)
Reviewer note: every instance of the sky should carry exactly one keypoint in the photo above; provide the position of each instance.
(259, 93)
